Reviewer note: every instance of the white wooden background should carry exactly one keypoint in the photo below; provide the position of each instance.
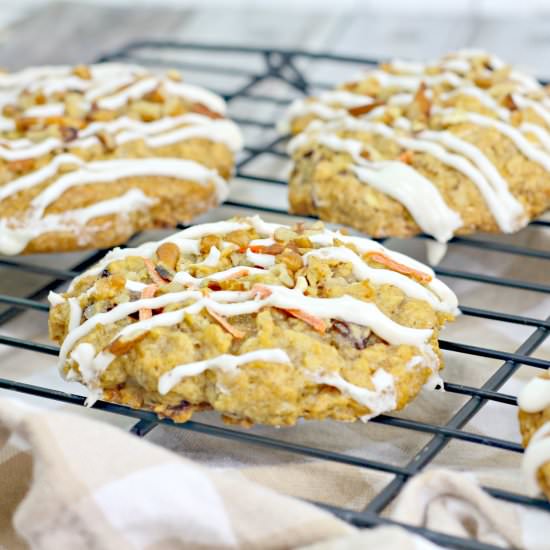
(42, 31)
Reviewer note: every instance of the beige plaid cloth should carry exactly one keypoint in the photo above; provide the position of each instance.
(68, 482)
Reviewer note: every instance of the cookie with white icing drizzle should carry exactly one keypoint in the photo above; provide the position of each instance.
(534, 420)
(91, 154)
(450, 147)
(262, 322)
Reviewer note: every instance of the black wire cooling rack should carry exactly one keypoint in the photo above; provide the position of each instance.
(248, 78)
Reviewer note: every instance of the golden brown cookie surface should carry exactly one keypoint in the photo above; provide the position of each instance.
(261, 322)
(91, 154)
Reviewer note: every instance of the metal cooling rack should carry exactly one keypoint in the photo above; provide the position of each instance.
(246, 78)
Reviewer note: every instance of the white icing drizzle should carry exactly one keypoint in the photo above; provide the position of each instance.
(435, 251)
(400, 99)
(379, 400)
(263, 260)
(213, 258)
(134, 91)
(482, 96)
(408, 67)
(535, 396)
(184, 278)
(196, 94)
(523, 144)
(120, 312)
(55, 299)
(196, 126)
(345, 98)
(364, 246)
(134, 286)
(540, 133)
(411, 82)
(460, 66)
(16, 233)
(526, 103)
(344, 308)
(111, 170)
(536, 455)
(403, 183)
(91, 366)
(75, 313)
(225, 363)
(36, 150)
(527, 82)
(506, 209)
(51, 109)
(362, 271)
(186, 240)
(14, 239)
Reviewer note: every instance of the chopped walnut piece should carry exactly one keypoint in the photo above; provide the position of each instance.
(83, 72)
(273, 249)
(422, 101)
(406, 157)
(284, 234)
(350, 86)
(168, 254)
(299, 227)
(209, 241)
(365, 154)
(240, 238)
(101, 115)
(364, 109)
(174, 74)
(509, 103)
(290, 258)
(302, 241)
(156, 96)
(357, 335)
(107, 140)
(120, 346)
(22, 165)
(10, 110)
(68, 133)
(22, 124)
(203, 110)
(483, 82)
(63, 121)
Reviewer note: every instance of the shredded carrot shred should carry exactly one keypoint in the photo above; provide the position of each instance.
(316, 322)
(234, 331)
(241, 273)
(272, 249)
(406, 157)
(261, 291)
(400, 268)
(148, 292)
(153, 272)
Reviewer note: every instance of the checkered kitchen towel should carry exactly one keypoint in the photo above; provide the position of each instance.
(67, 482)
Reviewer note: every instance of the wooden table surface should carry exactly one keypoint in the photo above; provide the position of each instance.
(35, 32)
